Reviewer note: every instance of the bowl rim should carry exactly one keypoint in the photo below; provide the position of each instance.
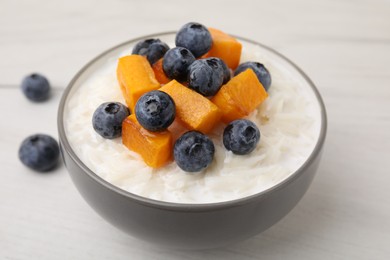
(199, 207)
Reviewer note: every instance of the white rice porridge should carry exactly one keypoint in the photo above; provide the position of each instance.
(289, 123)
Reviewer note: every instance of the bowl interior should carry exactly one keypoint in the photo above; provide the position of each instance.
(261, 51)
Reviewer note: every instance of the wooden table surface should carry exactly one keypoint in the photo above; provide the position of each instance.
(344, 46)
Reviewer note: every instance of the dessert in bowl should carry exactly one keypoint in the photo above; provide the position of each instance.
(235, 198)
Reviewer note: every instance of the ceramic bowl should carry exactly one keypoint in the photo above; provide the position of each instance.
(188, 226)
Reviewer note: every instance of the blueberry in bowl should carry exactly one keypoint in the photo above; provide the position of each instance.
(241, 136)
(261, 72)
(107, 119)
(206, 76)
(176, 62)
(193, 151)
(155, 110)
(194, 37)
(153, 49)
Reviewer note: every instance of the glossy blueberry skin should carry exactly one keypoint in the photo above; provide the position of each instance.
(36, 87)
(107, 119)
(39, 152)
(205, 76)
(176, 62)
(155, 110)
(259, 69)
(227, 73)
(195, 37)
(193, 151)
(153, 49)
(241, 136)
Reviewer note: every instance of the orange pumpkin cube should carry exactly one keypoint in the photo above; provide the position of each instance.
(154, 147)
(225, 47)
(194, 110)
(177, 129)
(240, 96)
(135, 77)
(159, 72)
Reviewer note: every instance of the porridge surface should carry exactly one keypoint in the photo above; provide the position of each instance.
(289, 122)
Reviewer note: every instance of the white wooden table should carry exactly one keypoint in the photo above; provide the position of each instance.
(343, 45)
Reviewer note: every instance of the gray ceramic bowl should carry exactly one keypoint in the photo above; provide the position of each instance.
(188, 226)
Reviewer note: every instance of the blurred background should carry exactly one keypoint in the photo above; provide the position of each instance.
(344, 47)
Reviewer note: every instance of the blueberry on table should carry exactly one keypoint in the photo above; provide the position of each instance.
(36, 87)
(195, 37)
(259, 69)
(176, 62)
(193, 151)
(39, 152)
(155, 110)
(206, 76)
(107, 119)
(153, 49)
(241, 136)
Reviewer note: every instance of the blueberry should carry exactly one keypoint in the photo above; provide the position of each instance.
(176, 62)
(205, 76)
(259, 69)
(155, 110)
(39, 152)
(36, 87)
(195, 37)
(193, 151)
(227, 73)
(241, 136)
(153, 49)
(107, 119)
